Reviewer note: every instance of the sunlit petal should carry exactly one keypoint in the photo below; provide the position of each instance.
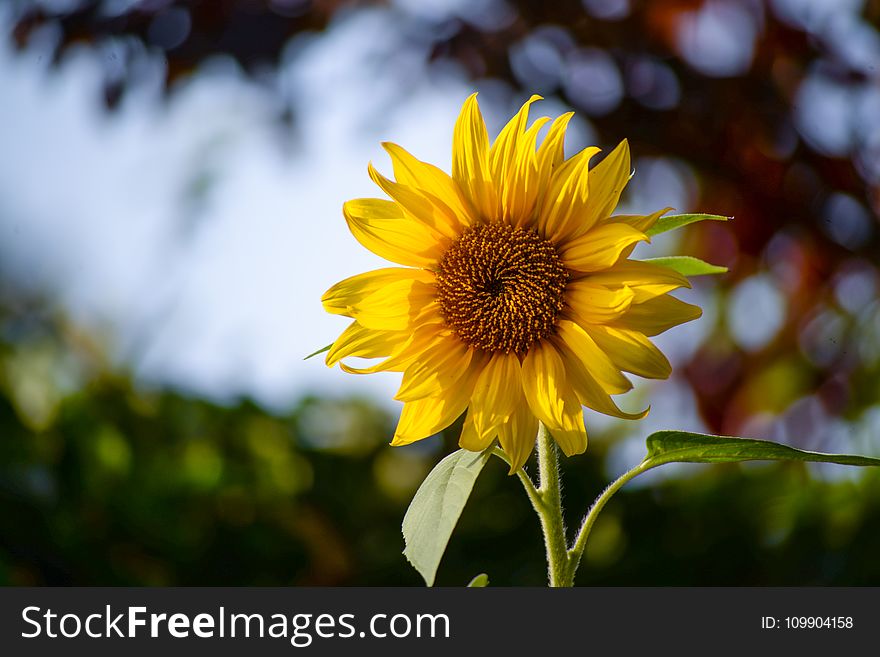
(424, 417)
(470, 160)
(656, 315)
(552, 399)
(383, 228)
(597, 304)
(600, 247)
(593, 358)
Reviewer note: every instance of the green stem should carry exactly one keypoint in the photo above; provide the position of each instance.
(549, 509)
(577, 550)
(563, 562)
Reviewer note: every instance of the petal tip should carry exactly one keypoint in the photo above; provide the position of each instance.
(399, 441)
(470, 102)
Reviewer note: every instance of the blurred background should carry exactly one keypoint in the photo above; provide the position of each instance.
(171, 178)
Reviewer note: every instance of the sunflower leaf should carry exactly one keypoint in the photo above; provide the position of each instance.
(687, 265)
(436, 507)
(674, 221)
(478, 582)
(685, 447)
(320, 351)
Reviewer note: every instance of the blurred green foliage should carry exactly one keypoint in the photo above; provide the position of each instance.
(106, 483)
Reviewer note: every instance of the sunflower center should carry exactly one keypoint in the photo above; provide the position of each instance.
(500, 288)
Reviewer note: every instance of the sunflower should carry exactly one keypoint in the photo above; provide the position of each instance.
(517, 300)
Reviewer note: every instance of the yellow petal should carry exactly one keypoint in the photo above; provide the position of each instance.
(646, 280)
(571, 441)
(517, 435)
(588, 390)
(606, 182)
(470, 439)
(342, 297)
(498, 408)
(564, 206)
(631, 351)
(642, 222)
(430, 314)
(524, 185)
(593, 358)
(551, 152)
(503, 151)
(360, 342)
(552, 399)
(513, 165)
(406, 352)
(498, 390)
(470, 160)
(432, 212)
(394, 306)
(425, 417)
(596, 304)
(382, 227)
(657, 315)
(600, 247)
(438, 367)
(434, 184)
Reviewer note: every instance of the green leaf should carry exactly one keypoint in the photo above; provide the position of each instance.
(320, 351)
(480, 581)
(687, 265)
(674, 221)
(436, 507)
(686, 447)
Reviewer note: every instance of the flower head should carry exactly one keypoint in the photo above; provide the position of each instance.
(516, 300)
